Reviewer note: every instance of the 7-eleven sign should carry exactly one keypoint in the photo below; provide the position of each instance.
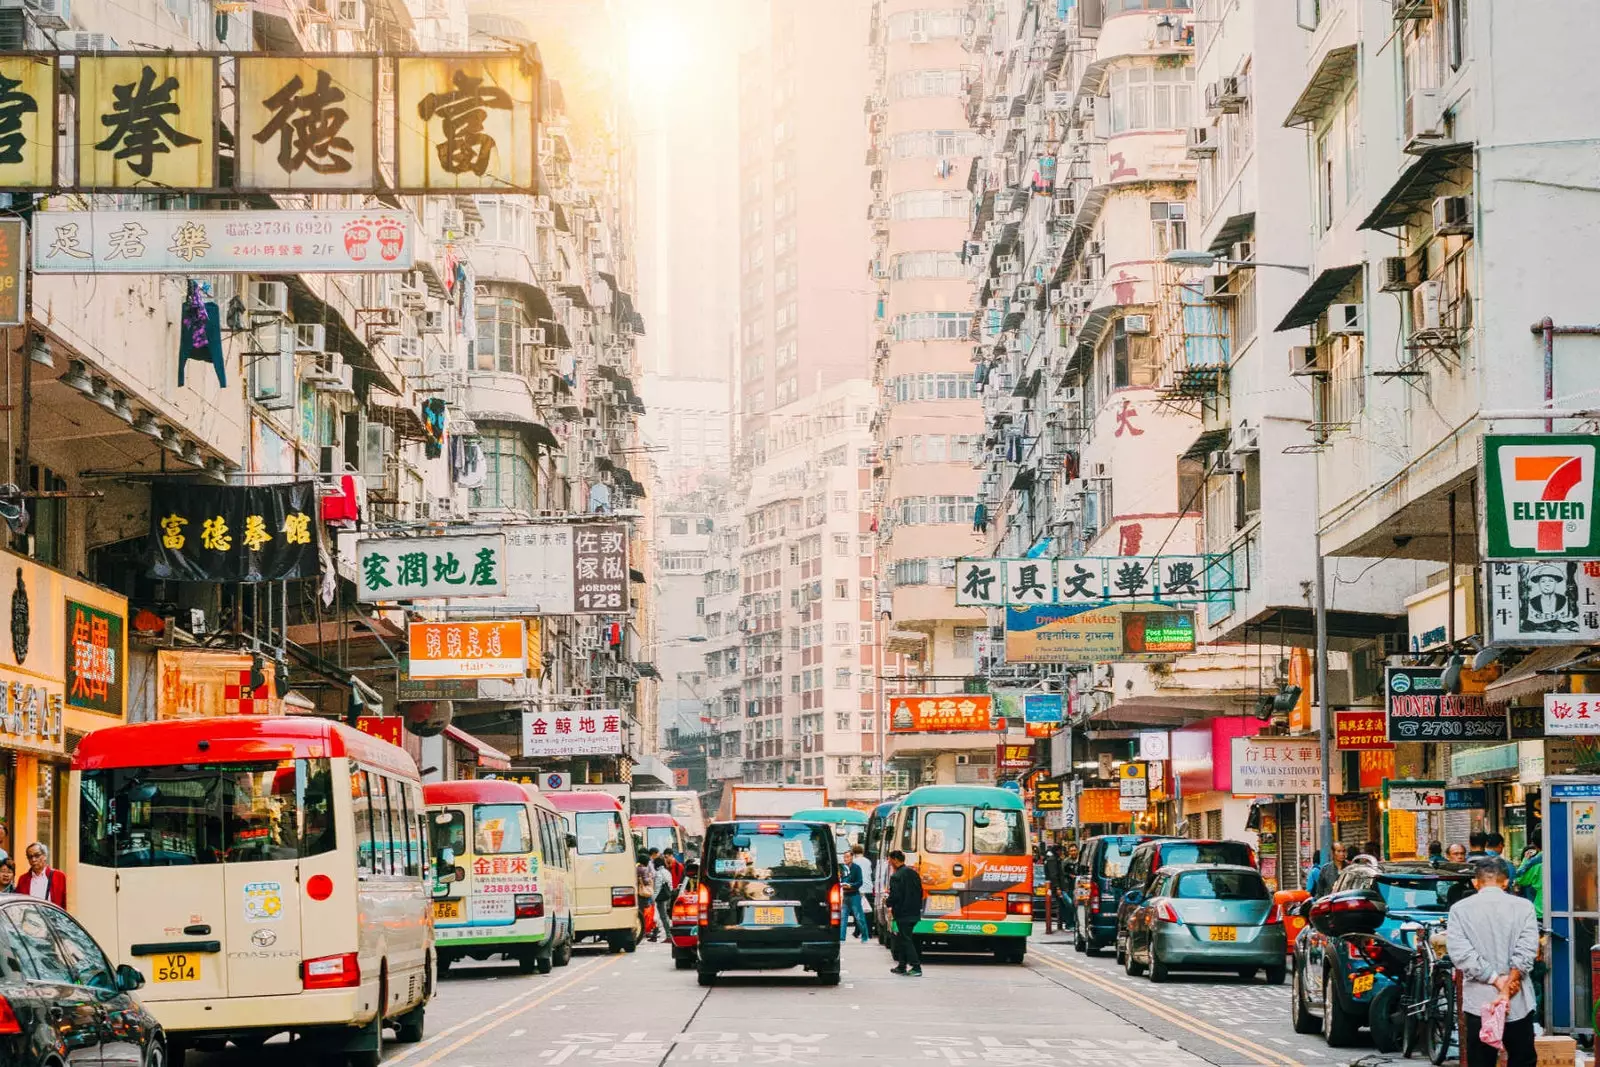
(1540, 496)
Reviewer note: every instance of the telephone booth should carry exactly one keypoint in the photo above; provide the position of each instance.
(1572, 899)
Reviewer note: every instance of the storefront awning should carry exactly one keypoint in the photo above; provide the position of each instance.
(1318, 295)
(1537, 674)
(489, 757)
(1414, 189)
(1325, 86)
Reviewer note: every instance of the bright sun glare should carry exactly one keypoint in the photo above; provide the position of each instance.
(658, 52)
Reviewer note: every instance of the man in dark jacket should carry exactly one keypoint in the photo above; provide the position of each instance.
(1329, 872)
(905, 907)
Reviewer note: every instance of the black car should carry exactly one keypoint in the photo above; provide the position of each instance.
(769, 898)
(1348, 954)
(62, 1004)
(1148, 859)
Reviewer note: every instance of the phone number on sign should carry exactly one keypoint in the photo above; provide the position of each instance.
(510, 887)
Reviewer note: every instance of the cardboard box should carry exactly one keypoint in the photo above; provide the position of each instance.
(1556, 1051)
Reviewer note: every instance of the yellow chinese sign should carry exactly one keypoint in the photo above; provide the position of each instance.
(308, 122)
(466, 122)
(146, 120)
(27, 122)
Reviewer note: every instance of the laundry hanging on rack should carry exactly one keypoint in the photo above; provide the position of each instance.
(200, 332)
(433, 414)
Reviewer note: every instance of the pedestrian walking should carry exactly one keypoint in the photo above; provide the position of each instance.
(1314, 870)
(1329, 872)
(42, 880)
(1435, 852)
(1493, 940)
(675, 866)
(1476, 842)
(646, 897)
(869, 886)
(8, 875)
(1456, 853)
(905, 910)
(1530, 879)
(1494, 843)
(661, 876)
(850, 880)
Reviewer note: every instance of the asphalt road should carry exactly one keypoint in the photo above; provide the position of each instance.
(1061, 1008)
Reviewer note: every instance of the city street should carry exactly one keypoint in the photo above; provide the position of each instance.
(1061, 1008)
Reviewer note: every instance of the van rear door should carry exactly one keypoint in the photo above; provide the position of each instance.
(769, 882)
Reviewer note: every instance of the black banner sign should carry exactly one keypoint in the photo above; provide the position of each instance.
(232, 533)
(1420, 709)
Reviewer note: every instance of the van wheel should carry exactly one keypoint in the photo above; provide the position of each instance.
(683, 963)
(408, 1027)
(563, 953)
(828, 977)
(544, 963)
(527, 962)
(1079, 942)
(707, 976)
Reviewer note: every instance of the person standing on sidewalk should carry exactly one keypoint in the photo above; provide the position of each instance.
(905, 911)
(851, 881)
(1493, 940)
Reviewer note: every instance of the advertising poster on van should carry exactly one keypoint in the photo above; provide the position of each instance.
(1420, 709)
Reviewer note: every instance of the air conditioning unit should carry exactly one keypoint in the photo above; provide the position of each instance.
(270, 375)
(1097, 470)
(1244, 251)
(1034, 115)
(412, 297)
(1395, 275)
(1428, 306)
(310, 337)
(51, 14)
(1137, 324)
(1425, 115)
(919, 37)
(90, 42)
(408, 348)
(343, 382)
(1202, 141)
(1303, 362)
(1452, 216)
(1217, 290)
(962, 759)
(432, 322)
(1220, 463)
(324, 367)
(452, 221)
(269, 298)
(1027, 293)
(531, 335)
(1009, 265)
(1246, 437)
(1345, 319)
(1232, 91)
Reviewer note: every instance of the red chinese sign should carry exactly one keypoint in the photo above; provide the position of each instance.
(388, 728)
(500, 865)
(94, 656)
(1041, 729)
(1376, 765)
(917, 715)
(1362, 729)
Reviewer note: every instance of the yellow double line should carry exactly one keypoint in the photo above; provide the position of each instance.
(497, 1015)
(1258, 1053)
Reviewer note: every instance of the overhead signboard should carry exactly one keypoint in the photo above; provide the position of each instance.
(307, 123)
(28, 122)
(232, 533)
(561, 570)
(411, 688)
(223, 242)
(466, 123)
(1157, 632)
(1096, 806)
(1416, 796)
(1071, 634)
(1155, 745)
(1265, 766)
(426, 568)
(1090, 580)
(1571, 714)
(390, 728)
(495, 649)
(146, 120)
(1013, 757)
(1420, 709)
(1042, 708)
(1047, 796)
(1361, 728)
(940, 714)
(199, 683)
(1041, 729)
(595, 732)
(13, 262)
(1543, 602)
(1539, 496)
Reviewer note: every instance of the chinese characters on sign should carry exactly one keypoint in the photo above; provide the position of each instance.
(308, 122)
(600, 569)
(146, 120)
(94, 659)
(1014, 758)
(596, 732)
(420, 568)
(1543, 602)
(1361, 729)
(1569, 714)
(1047, 796)
(30, 717)
(1271, 765)
(13, 272)
(389, 728)
(468, 649)
(27, 122)
(232, 533)
(929, 714)
(1420, 710)
(466, 122)
(192, 683)
(143, 242)
(1088, 580)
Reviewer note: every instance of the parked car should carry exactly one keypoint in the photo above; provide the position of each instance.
(1149, 858)
(1212, 917)
(1102, 864)
(1349, 953)
(61, 1001)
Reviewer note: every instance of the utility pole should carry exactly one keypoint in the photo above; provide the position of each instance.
(1325, 723)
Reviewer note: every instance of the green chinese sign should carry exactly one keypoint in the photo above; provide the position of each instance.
(430, 568)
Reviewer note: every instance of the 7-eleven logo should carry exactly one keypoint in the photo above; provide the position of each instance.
(1547, 492)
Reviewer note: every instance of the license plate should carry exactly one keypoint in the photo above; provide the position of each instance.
(447, 909)
(767, 916)
(1360, 984)
(177, 967)
(943, 902)
(1224, 933)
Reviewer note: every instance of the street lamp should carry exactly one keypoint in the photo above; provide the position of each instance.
(1199, 257)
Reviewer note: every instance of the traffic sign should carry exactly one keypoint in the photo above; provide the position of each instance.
(1013, 785)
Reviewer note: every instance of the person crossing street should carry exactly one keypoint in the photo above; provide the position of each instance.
(905, 911)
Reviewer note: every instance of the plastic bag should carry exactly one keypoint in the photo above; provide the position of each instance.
(1493, 1030)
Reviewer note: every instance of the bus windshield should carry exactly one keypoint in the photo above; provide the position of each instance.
(501, 829)
(1002, 836)
(659, 837)
(206, 813)
(598, 832)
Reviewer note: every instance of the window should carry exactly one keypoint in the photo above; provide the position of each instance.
(1133, 358)
(509, 479)
(599, 832)
(841, 720)
(499, 319)
(1221, 885)
(841, 589)
(911, 265)
(841, 544)
(1002, 837)
(87, 964)
(680, 526)
(944, 832)
(744, 850)
(942, 144)
(930, 204)
(1169, 229)
(908, 831)
(37, 950)
(1325, 178)
(927, 24)
(841, 633)
(500, 829)
(841, 678)
(1350, 134)
(841, 501)
(932, 326)
(1151, 98)
(914, 83)
(505, 221)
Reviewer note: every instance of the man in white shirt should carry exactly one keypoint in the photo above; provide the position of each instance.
(1493, 940)
(859, 858)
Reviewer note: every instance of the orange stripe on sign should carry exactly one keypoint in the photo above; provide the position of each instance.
(1536, 468)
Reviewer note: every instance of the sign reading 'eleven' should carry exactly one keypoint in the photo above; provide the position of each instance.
(1540, 495)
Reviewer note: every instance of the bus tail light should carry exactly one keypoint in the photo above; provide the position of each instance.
(835, 904)
(8, 1018)
(331, 972)
(624, 896)
(1019, 904)
(529, 905)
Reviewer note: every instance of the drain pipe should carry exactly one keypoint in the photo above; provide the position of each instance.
(1547, 328)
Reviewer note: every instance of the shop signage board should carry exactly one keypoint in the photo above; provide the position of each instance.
(940, 714)
(1040, 730)
(1527, 722)
(1420, 709)
(434, 688)
(309, 122)
(1047, 796)
(1415, 796)
(1071, 634)
(1101, 806)
(199, 683)
(390, 728)
(590, 732)
(1159, 632)
(1470, 798)
(1042, 708)
(556, 569)
(232, 533)
(13, 268)
(1133, 786)
(30, 162)
(1361, 728)
(1089, 581)
(1155, 745)
(1571, 714)
(1543, 601)
(425, 568)
(492, 649)
(96, 648)
(1013, 757)
(1539, 496)
(1276, 765)
(223, 242)
(1350, 809)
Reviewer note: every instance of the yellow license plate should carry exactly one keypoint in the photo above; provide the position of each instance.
(447, 909)
(943, 902)
(177, 967)
(1224, 933)
(1360, 983)
(767, 916)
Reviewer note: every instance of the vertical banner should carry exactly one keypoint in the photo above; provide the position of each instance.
(13, 270)
(600, 569)
(308, 122)
(147, 121)
(466, 123)
(96, 651)
(27, 121)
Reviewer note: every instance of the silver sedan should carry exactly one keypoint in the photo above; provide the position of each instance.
(1211, 917)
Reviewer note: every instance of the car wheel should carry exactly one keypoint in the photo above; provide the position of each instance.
(1122, 951)
(1158, 970)
(1130, 963)
(1338, 1028)
(409, 1027)
(683, 963)
(545, 962)
(1276, 975)
(828, 977)
(1386, 1017)
(1079, 942)
(156, 1054)
(563, 953)
(707, 976)
(1299, 1016)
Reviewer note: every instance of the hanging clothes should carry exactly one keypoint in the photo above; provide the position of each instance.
(433, 427)
(200, 333)
(980, 517)
(344, 507)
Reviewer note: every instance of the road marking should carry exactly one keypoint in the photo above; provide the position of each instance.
(553, 1007)
(497, 1011)
(518, 1033)
(1260, 1053)
(1310, 1052)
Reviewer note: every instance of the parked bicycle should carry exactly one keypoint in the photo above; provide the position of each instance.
(1417, 1012)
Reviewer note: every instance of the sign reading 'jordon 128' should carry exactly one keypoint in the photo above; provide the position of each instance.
(1539, 495)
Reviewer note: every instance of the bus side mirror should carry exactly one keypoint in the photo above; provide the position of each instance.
(979, 819)
(572, 841)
